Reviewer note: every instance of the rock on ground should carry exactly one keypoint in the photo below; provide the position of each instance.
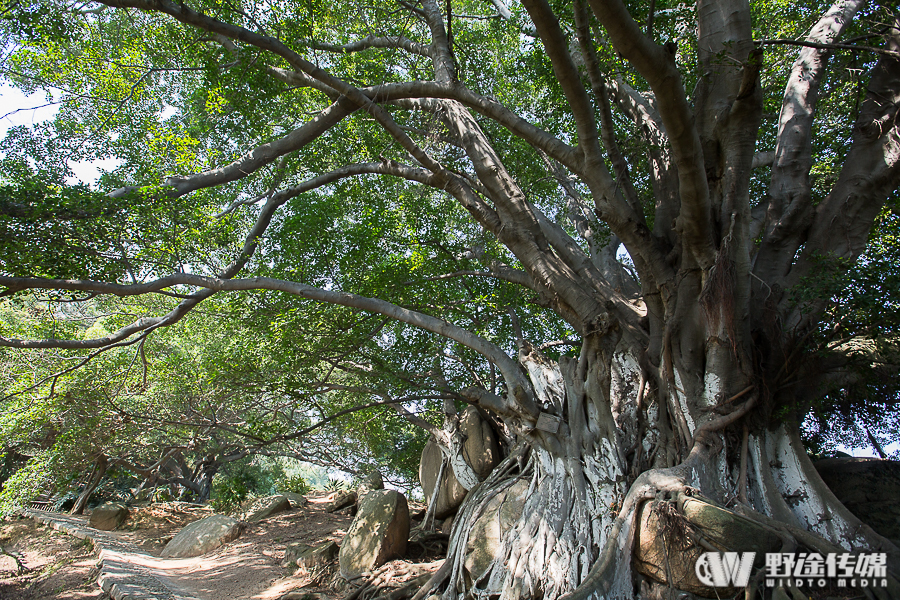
(202, 536)
(263, 508)
(373, 482)
(309, 557)
(379, 533)
(108, 516)
(661, 541)
(296, 500)
(499, 514)
(481, 451)
(341, 499)
(451, 494)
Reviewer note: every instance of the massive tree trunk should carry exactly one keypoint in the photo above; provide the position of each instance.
(622, 442)
(576, 479)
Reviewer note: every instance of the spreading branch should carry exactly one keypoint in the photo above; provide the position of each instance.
(516, 381)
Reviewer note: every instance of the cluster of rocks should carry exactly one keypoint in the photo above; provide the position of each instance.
(381, 525)
(204, 535)
(379, 532)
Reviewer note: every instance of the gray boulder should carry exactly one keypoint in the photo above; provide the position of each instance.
(379, 533)
(263, 508)
(451, 493)
(202, 536)
(296, 500)
(499, 514)
(310, 557)
(373, 481)
(869, 488)
(341, 499)
(108, 516)
(480, 450)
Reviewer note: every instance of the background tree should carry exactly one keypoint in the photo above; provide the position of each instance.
(176, 410)
(400, 160)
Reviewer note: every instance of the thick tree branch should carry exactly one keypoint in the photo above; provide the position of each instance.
(727, 100)
(396, 42)
(871, 172)
(657, 65)
(518, 384)
(790, 209)
(763, 159)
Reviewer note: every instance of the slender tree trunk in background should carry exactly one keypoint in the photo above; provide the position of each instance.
(205, 483)
(100, 466)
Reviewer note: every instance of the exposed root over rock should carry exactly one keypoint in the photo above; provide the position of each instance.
(395, 580)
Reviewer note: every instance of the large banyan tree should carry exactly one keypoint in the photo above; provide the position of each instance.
(674, 189)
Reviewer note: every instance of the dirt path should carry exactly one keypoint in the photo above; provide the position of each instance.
(125, 571)
(247, 568)
(38, 563)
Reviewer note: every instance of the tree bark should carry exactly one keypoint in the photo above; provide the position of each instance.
(101, 464)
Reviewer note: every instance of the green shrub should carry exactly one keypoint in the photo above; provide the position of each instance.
(292, 483)
(242, 480)
(335, 484)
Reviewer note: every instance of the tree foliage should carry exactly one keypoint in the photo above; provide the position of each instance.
(670, 227)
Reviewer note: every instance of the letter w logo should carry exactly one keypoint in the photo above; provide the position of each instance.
(717, 569)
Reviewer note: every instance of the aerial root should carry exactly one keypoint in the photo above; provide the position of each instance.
(407, 590)
(647, 486)
(393, 581)
(437, 580)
